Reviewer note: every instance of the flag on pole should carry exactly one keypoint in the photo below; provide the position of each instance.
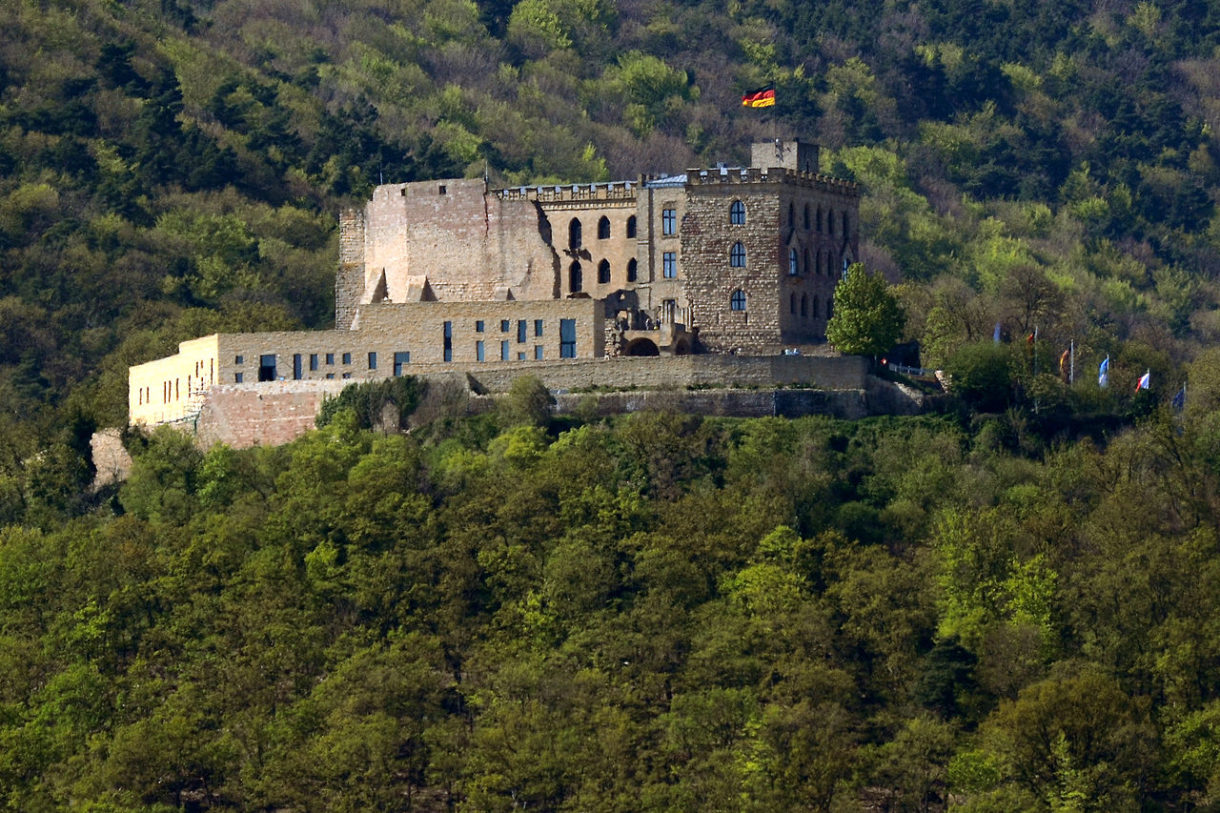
(1179, 400)
(763, 97)
(1144, 382)
(995, 334)
(1063, 364)
(1103, 373)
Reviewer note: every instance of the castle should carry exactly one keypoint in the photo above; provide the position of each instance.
(452, 275)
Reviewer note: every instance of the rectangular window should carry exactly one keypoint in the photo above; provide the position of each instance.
(520, 357)
(567, 338)
(478, 326)
(521, 330)
(347, 375)
(537, 352)
(237, 378)
(479, 352)
(330, 358)
(266, 367)
(449, 341)
(330, 375)
(669, 222)
(372, 361)
(504, 351)
(313, 361)
(298, 370)
(347, 358)
(669, 264)
(401, 358)
(537, 328)
(239, 360)
(504, 324)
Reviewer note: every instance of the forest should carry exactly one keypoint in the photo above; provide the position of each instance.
(1006, 606)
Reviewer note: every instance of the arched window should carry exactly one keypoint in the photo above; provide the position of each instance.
(793, 267)
(806, 217)
(631, 226)
(603, 272)
(603, 228)
(631, 265)
(804, 305)
(830, 307)
(791, 216)
(737, 213)
(575, 278)
(816, 305)
(738, 300)
(574, 240)
(737, 256)
(792, 304)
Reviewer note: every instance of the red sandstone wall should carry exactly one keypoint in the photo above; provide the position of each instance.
(267, 415)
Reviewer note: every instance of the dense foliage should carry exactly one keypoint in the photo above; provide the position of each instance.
(659, 613)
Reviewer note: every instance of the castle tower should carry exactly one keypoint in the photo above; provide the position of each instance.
(793, 154)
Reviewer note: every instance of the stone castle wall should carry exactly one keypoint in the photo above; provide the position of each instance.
(273, 413)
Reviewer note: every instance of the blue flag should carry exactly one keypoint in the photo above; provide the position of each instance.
(1103, 373)
(1179, 400)
(995, 336)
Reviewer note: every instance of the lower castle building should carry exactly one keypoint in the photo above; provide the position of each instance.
(452, 274)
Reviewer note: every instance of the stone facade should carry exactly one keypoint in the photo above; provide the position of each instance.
(725, 260)
(452, 276)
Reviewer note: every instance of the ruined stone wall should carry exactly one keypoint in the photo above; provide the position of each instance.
(470, 244)
(349, 281)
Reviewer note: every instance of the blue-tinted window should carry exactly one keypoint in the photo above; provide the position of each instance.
(737, 256)
(372, 361)
(521, 330)
(504, 354)
(567, 338)
(298, 369)
(313, 361)
(738, 301)
(669, 264)
(478, 326)
(504, 325)
(401, 357)
(737, 213)
(538, 352)
(237, 378)
(793, 267)
(537, 328)
(449, 341)
(347, 358)
(479, 352)
(330, 358)
(669, 222)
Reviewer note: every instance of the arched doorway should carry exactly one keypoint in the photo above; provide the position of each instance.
(642, 347)
(575, 278)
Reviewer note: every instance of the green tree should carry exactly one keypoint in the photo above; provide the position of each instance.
(867, 318)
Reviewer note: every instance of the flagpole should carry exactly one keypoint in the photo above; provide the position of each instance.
(1072, 363)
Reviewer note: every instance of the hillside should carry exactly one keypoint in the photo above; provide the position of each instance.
(1012, 603)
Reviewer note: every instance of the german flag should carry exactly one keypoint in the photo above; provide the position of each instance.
(763, 97)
